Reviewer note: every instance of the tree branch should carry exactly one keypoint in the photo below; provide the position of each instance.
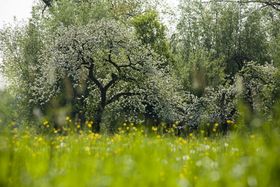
(118, 67)
(92, 77)
(110, 57)
(114, 80)
(130, 65)
(48, 3)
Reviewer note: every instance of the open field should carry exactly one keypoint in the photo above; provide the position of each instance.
(135, 159)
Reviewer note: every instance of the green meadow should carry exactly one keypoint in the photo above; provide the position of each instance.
(134, 158)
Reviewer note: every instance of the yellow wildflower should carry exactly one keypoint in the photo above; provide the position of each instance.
(230, 122)
(154, 129)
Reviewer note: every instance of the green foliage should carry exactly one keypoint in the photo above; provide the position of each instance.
(22, 49)
(72, 12)
(231, 31)
(152, 32)
(200, 72)
(7, 105)
(214, 45)
(260, 87)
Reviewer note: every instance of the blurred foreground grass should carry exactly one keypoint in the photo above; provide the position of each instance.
(135, 159)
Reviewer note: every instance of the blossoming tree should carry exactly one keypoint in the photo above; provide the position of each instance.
(107, 67)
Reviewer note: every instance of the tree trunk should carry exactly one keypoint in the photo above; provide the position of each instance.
(99, 112)
(97, 120)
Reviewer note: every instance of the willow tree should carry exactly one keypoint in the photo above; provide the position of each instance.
(234, 32)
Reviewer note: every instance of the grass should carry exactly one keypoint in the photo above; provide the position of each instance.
(136, 159)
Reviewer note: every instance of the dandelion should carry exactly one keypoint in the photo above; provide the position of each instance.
(45, 123)
(87, 149)
(40, 139)
(181, 141)
(230, 122)
(89, 124)
(154, 129)
(68, 119)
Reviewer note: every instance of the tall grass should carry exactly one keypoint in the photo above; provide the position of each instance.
(136, 159)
